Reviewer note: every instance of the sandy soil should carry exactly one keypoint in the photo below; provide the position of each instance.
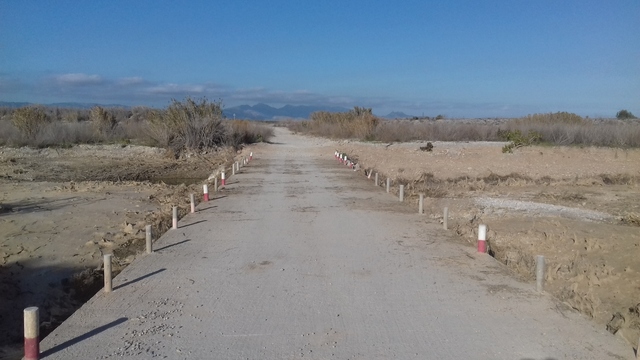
(579, 207)
(62, 209)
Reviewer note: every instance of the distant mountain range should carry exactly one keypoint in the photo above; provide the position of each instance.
(266, 112)
(262, 112)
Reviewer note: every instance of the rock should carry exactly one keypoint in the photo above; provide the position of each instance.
(128, 228)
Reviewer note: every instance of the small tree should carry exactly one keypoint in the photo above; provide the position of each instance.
(624, 115)
(30, 120)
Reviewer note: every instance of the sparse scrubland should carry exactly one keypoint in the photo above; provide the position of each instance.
(561, 128)
(188, 125)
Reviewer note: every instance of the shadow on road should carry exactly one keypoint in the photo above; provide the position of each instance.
(193, 223)
(171, 245)
(138, 279)
(82, 337)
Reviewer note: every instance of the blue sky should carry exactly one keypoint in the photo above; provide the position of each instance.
(458, 58)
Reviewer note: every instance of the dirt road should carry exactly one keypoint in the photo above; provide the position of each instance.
(299, 258)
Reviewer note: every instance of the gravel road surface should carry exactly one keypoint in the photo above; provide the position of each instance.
(299, 257)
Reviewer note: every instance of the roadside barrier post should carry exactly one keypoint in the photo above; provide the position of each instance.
(205, 192)
(482, 238)
(147, 230)
(421, 204)
(107, 273)
(388, 184)
(174, 218)
(251, 156)
(540, 273)
(445, 218)
(233, 169)
(215, 185)
(193, 203)
(369, 176)
(222, 180)
(31, 333)
(375, 181)
(401, 193)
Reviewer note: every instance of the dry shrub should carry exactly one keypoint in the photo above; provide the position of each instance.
(406, 130)
(188, 125)
(570, 129)
(631, 219)
(358, 123)
(247, 132)
(30, 120)
(104, 122)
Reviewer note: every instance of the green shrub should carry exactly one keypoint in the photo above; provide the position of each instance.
(624, 115)
(30, 120)
(518, 139)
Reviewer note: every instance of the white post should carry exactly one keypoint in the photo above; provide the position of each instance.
(445, 218)
(401, 192)
(107, 273)
(215, 184)
(540, 273)
(193, 203)
(174, 218)
(147, 230)
(376, 180)
(421, 204)
(388, 184)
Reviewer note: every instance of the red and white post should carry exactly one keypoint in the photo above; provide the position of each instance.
(251, 156)
(222, 179)
(205, 192)
(482, 239)
(31, 333)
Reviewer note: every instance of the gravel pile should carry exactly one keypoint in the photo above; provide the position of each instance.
(538, 209)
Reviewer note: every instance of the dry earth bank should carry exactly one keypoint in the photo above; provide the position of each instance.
(579, 207)
(62, 209)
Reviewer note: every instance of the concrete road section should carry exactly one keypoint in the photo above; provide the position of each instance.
(299, 257)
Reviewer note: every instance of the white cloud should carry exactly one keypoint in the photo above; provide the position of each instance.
(78, 79)
(131, 81)
(176, 89)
